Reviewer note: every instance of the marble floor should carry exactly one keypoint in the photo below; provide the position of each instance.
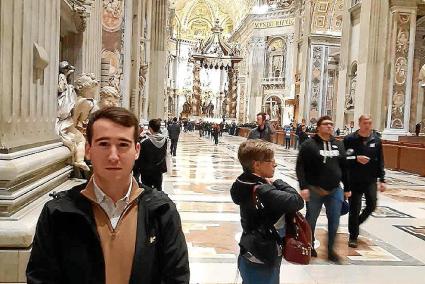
(391, 244)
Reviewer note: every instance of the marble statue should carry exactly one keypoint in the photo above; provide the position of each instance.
(86, 86)
(109, 97)
(65, 126)
(143, 71)
(210, 109)
(187, 108)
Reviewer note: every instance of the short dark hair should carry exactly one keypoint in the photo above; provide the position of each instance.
(155, 124)
(323, 118)
(117, 115)
(263, 115)
(175, 119)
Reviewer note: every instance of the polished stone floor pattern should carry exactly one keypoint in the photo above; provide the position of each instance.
(391, 243)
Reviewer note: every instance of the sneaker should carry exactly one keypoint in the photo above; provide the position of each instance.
(333, 257)
(352, 243)
(313, 252)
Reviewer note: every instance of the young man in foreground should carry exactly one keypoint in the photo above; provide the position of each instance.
(109, 230)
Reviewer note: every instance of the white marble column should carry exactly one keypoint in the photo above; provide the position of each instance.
(402, 46)
(136, 59)
(158, 59)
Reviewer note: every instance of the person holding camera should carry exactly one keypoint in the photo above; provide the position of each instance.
(365, 167)
(261, 254)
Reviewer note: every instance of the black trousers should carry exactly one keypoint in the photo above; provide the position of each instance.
(287, 143)
(173, 146)
(355, 218)
(152, 180)
(215, 138)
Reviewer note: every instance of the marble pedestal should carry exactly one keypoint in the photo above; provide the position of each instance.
(26, 179)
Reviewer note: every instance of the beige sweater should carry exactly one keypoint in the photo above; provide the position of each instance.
(118, 245)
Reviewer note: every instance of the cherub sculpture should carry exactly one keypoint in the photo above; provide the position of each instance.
(109, 97)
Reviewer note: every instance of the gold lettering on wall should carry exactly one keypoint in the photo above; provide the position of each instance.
(274, 23)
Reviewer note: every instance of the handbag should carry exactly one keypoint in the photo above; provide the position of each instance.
(264, 241)
(298, 239)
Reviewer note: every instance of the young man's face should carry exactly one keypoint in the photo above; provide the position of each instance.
(326, 127)
(112, 150)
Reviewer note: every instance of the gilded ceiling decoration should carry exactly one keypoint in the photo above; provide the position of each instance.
(195, 18)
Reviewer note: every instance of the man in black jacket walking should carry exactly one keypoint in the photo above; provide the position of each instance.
(109, 230)
(151, 163)
(173, 134)
(320, 169)
(365, 168)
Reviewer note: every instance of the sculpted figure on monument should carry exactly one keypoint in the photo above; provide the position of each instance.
(86, 87)
(187, 108)
(65, 126)
(142, 75)
(109, 97)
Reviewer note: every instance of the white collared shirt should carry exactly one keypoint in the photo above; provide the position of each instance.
(114, 211)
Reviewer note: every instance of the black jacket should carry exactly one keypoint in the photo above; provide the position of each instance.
(152, 158)
(371, 147)
(302, 136)
(278, 199)
(317, 166)
(173, 131)
(264, 134)
(67, 249)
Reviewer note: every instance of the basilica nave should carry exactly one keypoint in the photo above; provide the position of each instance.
(216, 61)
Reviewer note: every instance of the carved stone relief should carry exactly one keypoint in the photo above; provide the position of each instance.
(327, 16)
(280, 4)
(81, 12)
(112, 41)
(196, 99)
(112, 16)
(401, 61)
(316, 81)
(350, 97)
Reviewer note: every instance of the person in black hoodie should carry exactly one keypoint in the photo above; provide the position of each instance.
(320, 169)
(151, 163)
(278, 199)
(365, 166)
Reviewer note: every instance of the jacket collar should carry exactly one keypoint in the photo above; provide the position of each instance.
(250, 178)
(90, 193)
